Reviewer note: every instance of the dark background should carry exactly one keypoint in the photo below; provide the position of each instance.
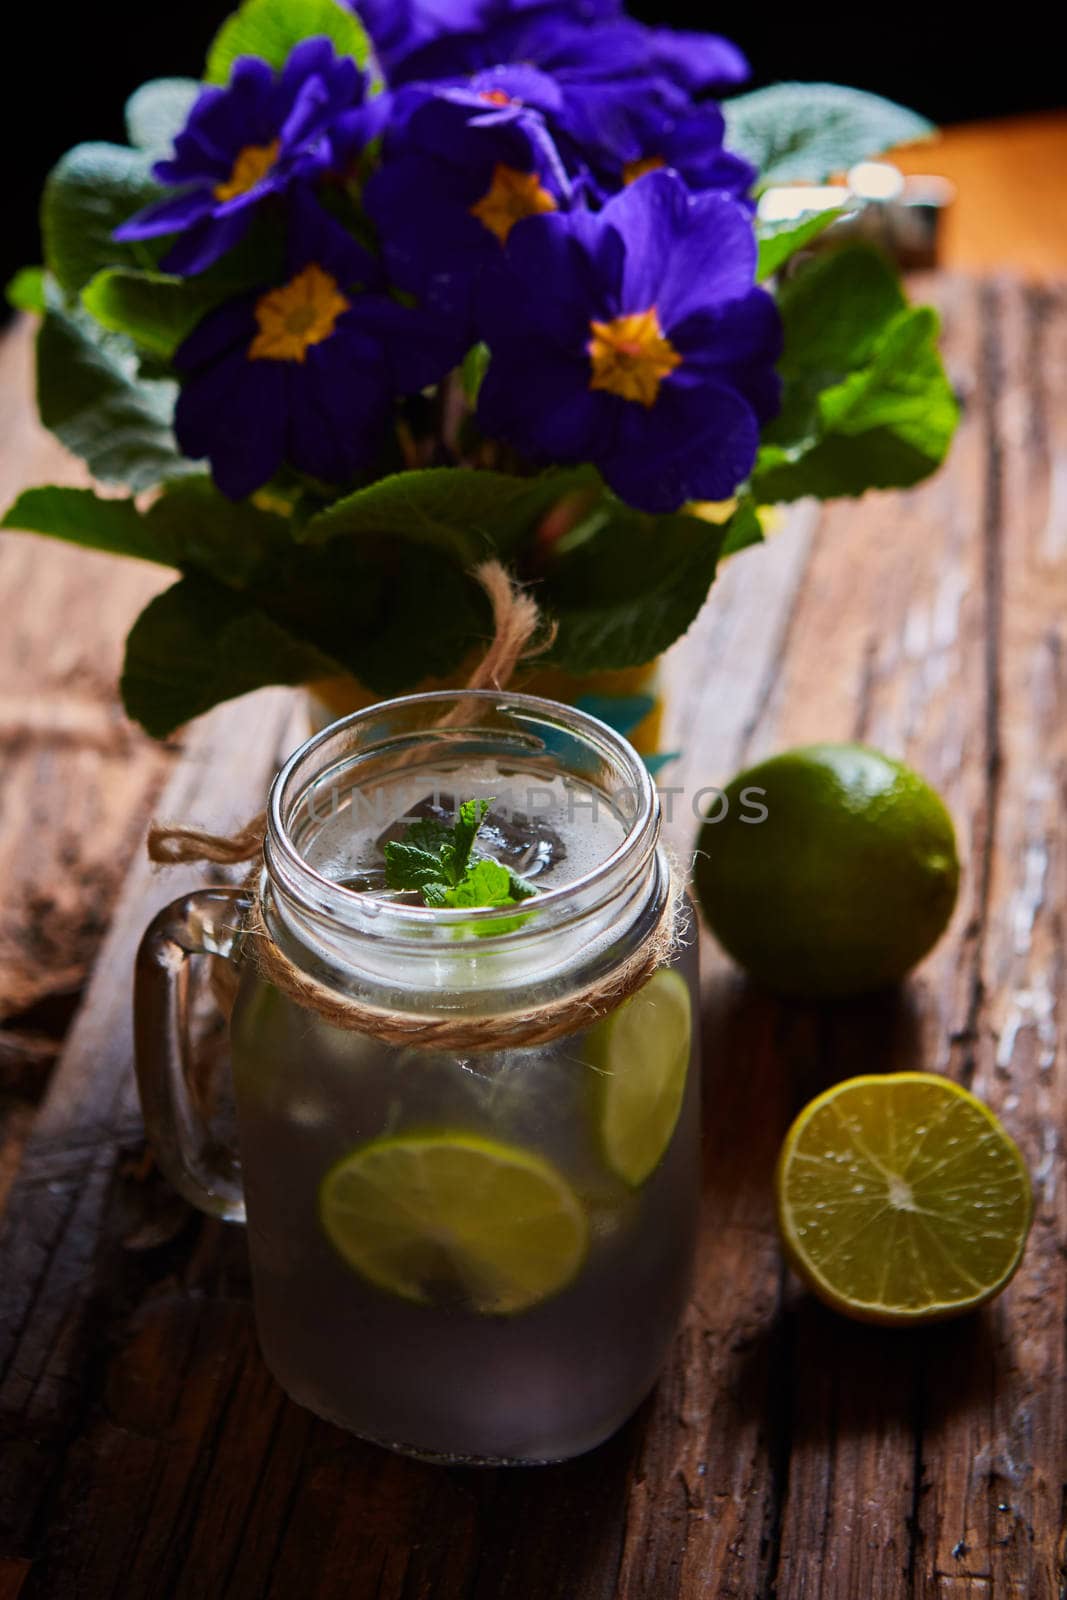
(85, 60)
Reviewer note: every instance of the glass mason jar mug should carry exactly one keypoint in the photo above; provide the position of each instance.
(467, 1253)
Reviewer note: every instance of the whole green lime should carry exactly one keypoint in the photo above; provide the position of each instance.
(827, 870)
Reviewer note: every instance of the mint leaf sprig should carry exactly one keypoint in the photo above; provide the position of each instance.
(437, 863)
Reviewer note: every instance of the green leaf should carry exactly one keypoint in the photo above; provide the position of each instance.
(427, 833)
(835, 310)
(743, 529)
(486, 884)
(408, 867)
(190, 526)
(867, 404)
(155, 310)
(431, 617)
(391, 612)
(271, 28)
(200, 643)
(474, 368)
(158, 310)
(808, 131)
(895, 388)
(90, 395)
(518, 889)
(437, 864)
(158, 111)
(780, 240)
(415, 525)
(87, 194)
(437, 857)
(83, 517)
(195, 527)
(433, 893)
(472, 814)
(26, 290)
(465, 513)
(627, 592)
(887, 426)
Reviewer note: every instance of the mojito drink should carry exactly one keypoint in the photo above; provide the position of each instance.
(477, 1257)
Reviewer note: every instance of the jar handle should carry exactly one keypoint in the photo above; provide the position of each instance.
(177, 1122)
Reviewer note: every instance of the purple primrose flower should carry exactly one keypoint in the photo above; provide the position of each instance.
(307, 372)
(634, 338)
(650, 133)
(593, 78)
(587, 39)
(461, 166)
(248, 142)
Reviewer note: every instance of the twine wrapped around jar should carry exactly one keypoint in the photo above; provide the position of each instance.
(516, 624)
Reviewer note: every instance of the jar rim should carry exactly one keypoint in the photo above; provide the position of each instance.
(289, 870)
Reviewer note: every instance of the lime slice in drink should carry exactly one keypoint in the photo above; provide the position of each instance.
(901, 1199)
(453, 1219)
(642, 1049)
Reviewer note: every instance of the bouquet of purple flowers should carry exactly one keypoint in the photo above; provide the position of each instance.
(391, 293)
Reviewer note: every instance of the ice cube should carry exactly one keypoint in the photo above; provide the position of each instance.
(437, 807)
(529, 845)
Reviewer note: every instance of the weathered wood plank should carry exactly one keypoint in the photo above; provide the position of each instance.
(995, 1406)
(59, 1264)
(702, 1502)
(76, 778)
(888, 645)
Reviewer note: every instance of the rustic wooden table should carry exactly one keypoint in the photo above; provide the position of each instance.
(785, 1452)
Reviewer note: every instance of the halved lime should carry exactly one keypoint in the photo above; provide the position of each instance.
(643, 1051)
(902, 1199)
(454, 1219)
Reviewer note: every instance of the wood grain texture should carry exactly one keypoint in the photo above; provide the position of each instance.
(786, 1452)
(77, 777)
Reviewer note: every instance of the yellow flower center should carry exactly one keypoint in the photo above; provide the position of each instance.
(495, 97)
(631, 357)
(301, 313)
(637, 169)
(511, 196)
(252, 164)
